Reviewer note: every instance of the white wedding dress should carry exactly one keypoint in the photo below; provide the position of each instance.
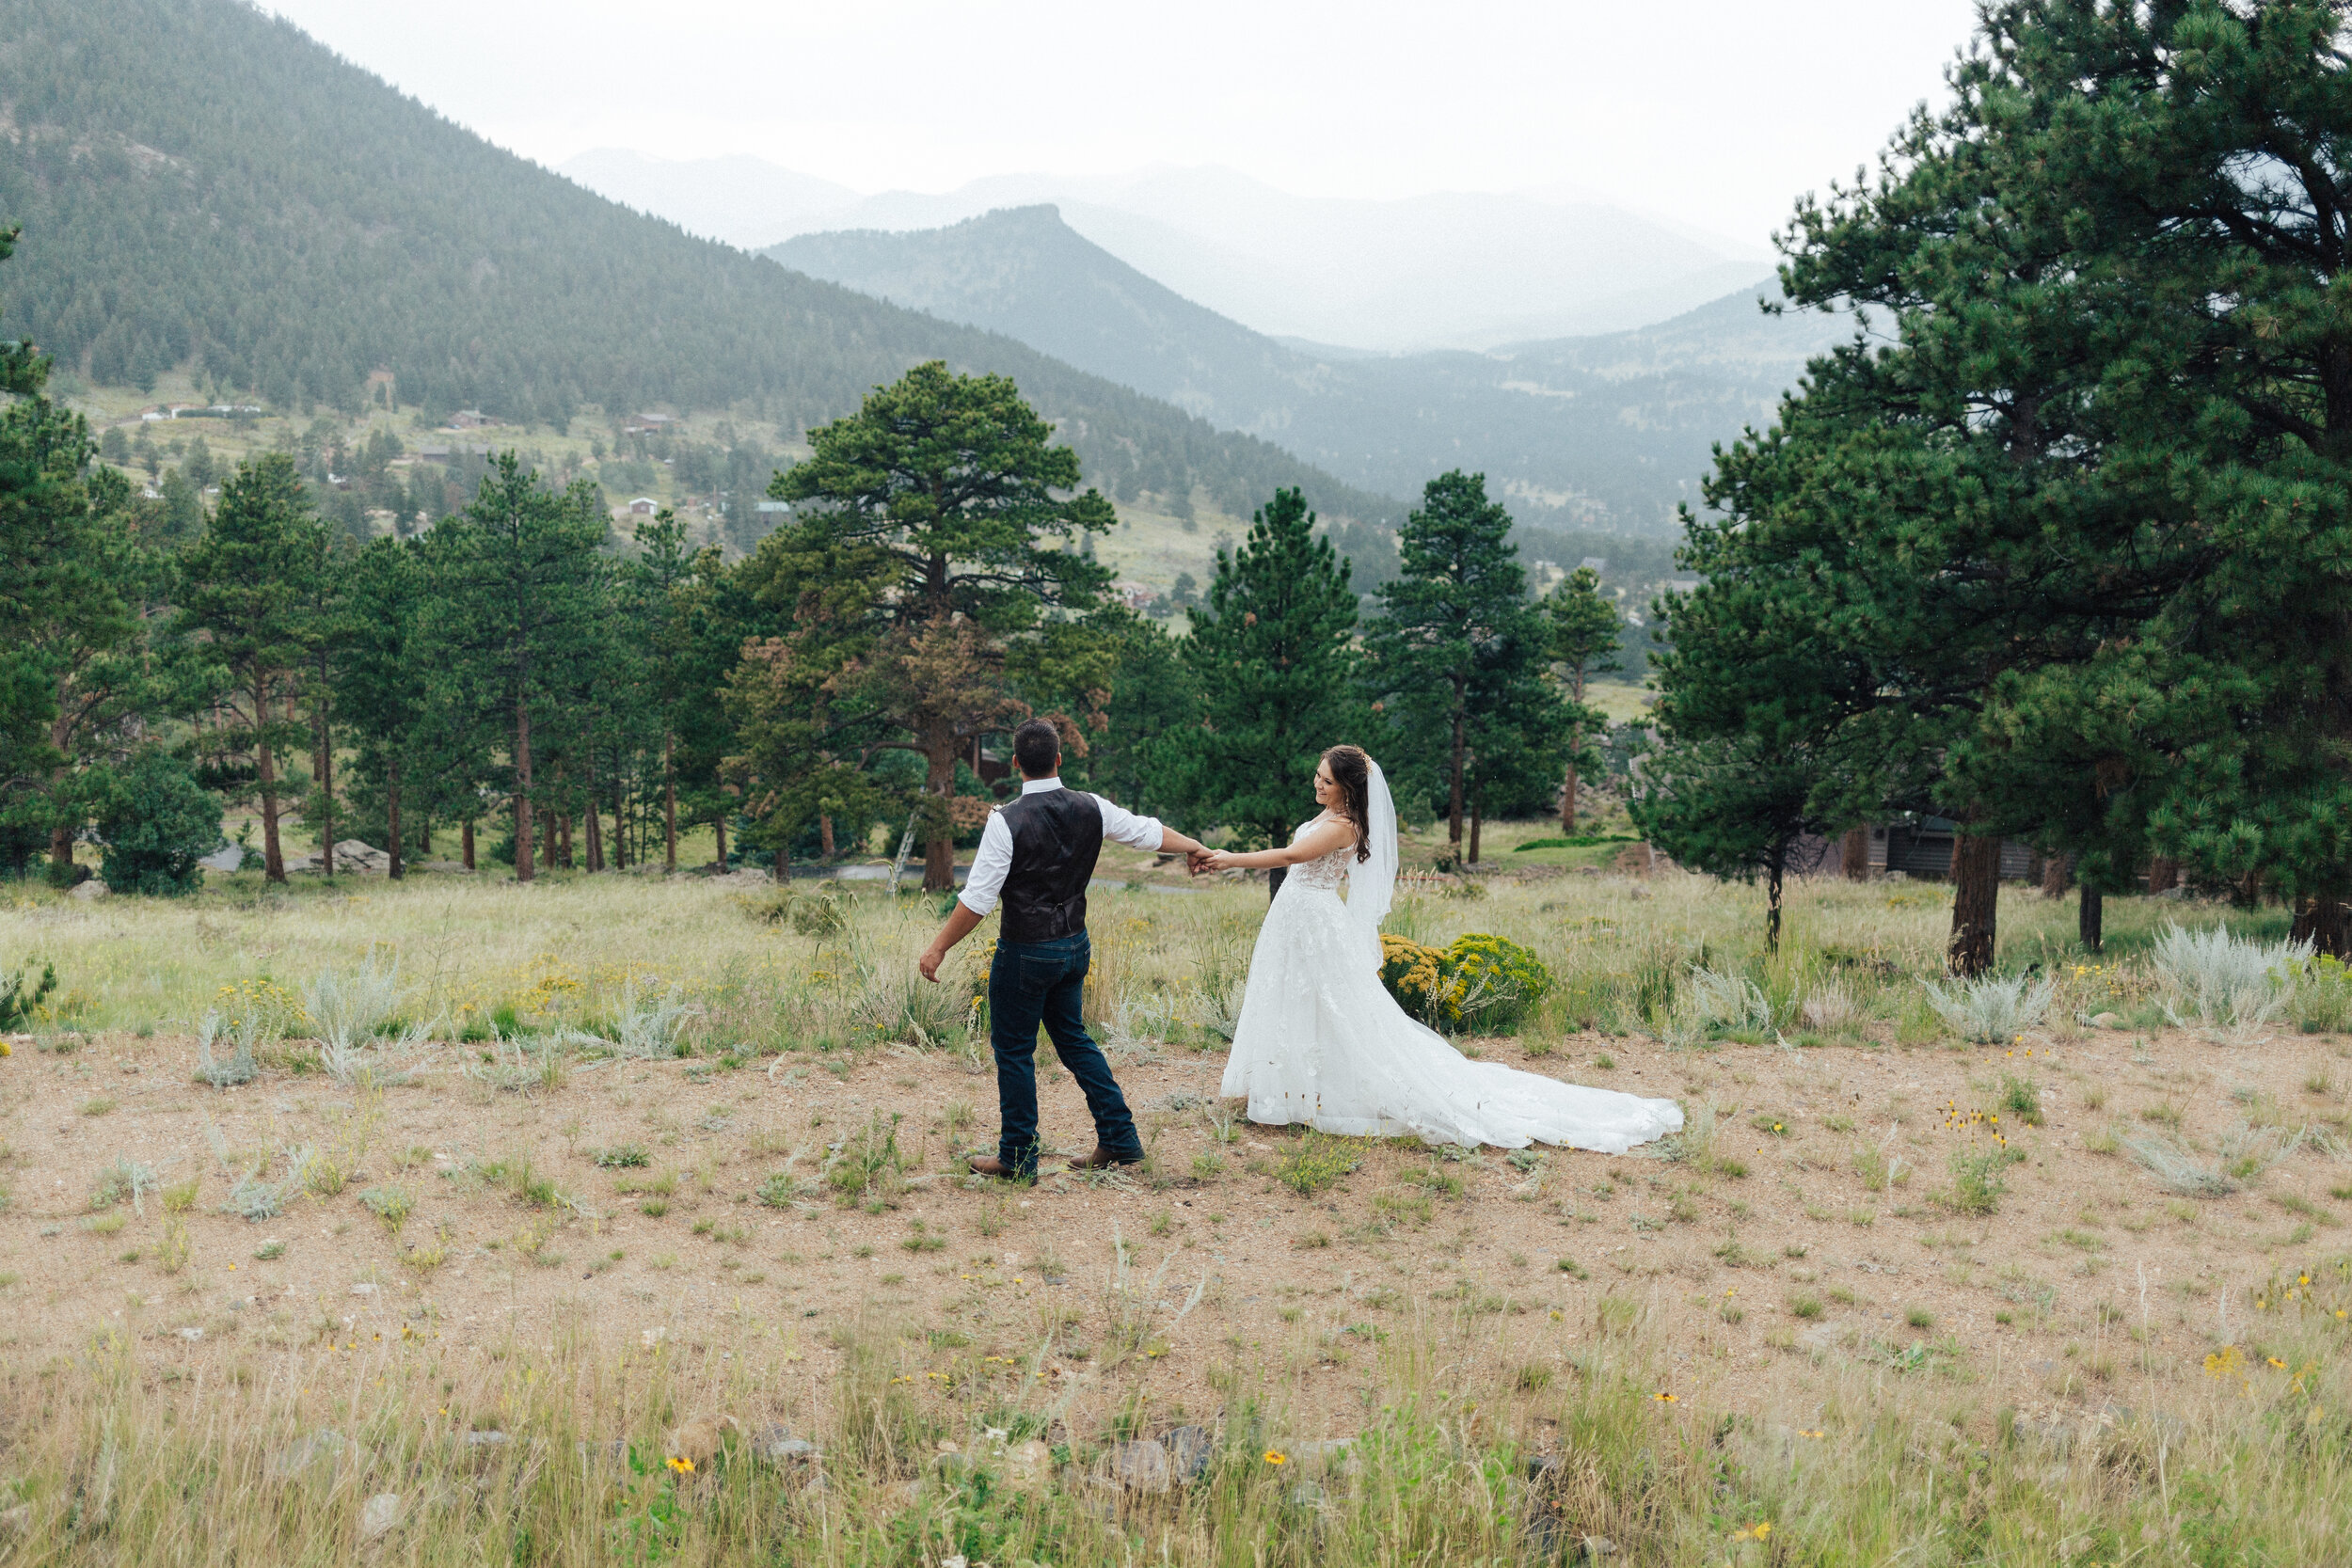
(1320, 1041)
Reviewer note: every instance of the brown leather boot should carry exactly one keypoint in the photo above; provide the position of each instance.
(1103, 1158)
(988, 1164)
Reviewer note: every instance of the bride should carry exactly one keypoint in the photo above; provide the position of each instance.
(1321, 1041)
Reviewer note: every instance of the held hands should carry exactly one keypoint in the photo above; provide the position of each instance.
(1210, 860)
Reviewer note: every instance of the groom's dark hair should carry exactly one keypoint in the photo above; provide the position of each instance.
(1036, 746)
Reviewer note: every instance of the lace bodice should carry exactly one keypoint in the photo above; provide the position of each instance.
(1325, 872)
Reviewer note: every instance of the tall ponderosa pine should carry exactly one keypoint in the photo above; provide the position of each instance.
(74, 582)
(2196, 152)
(1272, 650)
(383, 691)
(1453, 623)
(948, 507)
(653, 594)
(1583, 632)
(244, 597)
(1941, 521)
(520, 592)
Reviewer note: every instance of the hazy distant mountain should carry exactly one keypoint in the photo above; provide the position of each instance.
(1451, 269)
(202, 185)
(744, 201)
(1024, 273)
(1606, 432)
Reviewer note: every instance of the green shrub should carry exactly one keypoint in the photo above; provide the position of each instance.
(17, 1008)
(156, 822)
(2322, 996)
(1315, 1162)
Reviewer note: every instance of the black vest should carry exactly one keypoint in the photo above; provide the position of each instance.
(1056, 834)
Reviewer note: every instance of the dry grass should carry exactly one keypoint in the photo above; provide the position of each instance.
(634, 1258)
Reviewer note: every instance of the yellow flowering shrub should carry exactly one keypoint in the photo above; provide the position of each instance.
(1479, 981)
(1413, 974)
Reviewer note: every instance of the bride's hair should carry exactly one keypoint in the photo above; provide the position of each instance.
(1352, 771)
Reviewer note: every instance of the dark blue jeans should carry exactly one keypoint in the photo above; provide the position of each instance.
(1044, 982)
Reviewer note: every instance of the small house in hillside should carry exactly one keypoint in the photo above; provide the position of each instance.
(774, 511)
(644, 506)
(469, 418)
(1596, 565)
(641, 424)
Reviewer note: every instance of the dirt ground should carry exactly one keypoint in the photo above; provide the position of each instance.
(1762, 1264)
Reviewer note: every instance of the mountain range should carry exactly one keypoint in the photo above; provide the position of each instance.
(202, 186)
(1446, 269)
(1608, 432)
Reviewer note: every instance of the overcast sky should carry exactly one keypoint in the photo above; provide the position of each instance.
(1715, 112)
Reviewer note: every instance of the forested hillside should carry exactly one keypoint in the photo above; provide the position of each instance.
(200, 184)
(1606, 433)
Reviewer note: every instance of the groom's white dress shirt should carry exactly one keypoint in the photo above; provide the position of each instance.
(994, 860)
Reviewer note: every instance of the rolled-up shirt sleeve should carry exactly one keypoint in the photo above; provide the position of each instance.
(1122, 826)
(986, 884)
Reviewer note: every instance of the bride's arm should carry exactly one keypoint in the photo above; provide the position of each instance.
(1313, 845)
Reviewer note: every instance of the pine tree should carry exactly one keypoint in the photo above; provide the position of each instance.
(1732, 807)
(653, 597)
(1271, 648)
(947, 500)
(243, 596)
(1454, 618)
(1584, 632)
(518, 609)
(383, 691)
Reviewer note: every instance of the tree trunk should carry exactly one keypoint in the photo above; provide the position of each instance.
(563, 838)
(2325, 922)
(265, 770)
(465, 840)
(522, 793)
(61, 835)
(392, 802)
(1853, 854)
(2090, 919)
(620, 831)
(1576, 744)
(824, 835)
(1476, 817)
(669, 811)
(1975, 893)
(2162, 875)
(939, 853)
(547, 855)
(323, 770)
(594, 822)
(719, 825)
(1774, 871)
(1454, 778)
(2057, 871)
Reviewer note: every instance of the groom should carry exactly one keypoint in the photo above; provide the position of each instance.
(1037, 854)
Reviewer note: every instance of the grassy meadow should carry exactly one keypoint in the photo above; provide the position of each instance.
(621, 1219)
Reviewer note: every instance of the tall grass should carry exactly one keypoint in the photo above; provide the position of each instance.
(656, 965)
(1473, 1447)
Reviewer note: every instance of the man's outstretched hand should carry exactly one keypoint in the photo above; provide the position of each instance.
(960, 923)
